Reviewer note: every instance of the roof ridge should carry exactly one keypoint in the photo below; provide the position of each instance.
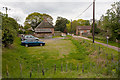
(45, 24)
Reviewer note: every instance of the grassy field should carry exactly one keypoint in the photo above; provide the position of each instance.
(78, 58)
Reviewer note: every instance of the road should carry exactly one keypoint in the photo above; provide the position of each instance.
(113, 47)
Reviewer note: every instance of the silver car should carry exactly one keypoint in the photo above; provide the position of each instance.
(29, 37)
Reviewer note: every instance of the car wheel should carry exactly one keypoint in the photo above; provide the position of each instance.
(41, 45)
(26, 45)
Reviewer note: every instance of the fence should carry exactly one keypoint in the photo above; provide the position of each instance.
(69, 67)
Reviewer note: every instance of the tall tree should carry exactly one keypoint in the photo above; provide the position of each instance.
(73, 28)
(9, 30)
(61, 24)
(75, 23)
(48, 17)
(34, 19)
(111, 22)
(83, 22)
(96, 29)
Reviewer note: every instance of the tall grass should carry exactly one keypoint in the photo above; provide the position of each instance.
(84, 55)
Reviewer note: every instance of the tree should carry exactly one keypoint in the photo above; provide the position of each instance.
(61, 24)
(96, 30)
(73, 28)
(111, 22)
(34, 19)
(9, 30)
(48, 17)
(75, 23)
(83, 22)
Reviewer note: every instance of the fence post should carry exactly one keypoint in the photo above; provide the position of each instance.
(83, 68)
(61, 67)
(77, 67)
(66, 67)
(112, 57)
(70, 67)
(38, 70)
(55, 69)
(99, 50)
(20, 70)
(31, 73)
(7, 71)
(43, 73)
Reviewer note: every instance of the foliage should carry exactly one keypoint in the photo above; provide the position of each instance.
(48, 17)
(34, 19)
(83, 22)
(61, 24)
(68, 52)
(110, 22)
(75, 23)
(28, 32)
(21, 32)
(9, 30)
(96, 29)
(72, 29)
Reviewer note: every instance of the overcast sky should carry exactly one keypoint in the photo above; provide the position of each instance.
(69, 9)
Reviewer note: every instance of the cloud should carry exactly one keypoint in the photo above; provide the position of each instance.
(55, 8)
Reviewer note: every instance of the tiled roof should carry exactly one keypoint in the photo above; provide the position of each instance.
(44, 24)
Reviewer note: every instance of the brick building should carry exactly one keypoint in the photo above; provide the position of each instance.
(83, 30)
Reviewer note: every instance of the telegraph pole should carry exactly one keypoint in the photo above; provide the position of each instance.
(93, 18)
(6, 8)
(71, 26)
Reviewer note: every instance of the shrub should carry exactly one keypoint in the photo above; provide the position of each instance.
(9, 30)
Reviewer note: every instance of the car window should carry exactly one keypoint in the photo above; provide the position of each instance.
(31, 37)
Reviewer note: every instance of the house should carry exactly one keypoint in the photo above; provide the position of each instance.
(44, 29)
(83, 30)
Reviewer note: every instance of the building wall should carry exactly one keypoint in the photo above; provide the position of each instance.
(44, 34)
(52, 29)
(79, 32)
(76, 31)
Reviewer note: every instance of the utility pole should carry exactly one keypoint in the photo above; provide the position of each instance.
(71, 26)
(93, 18)
(6, 8)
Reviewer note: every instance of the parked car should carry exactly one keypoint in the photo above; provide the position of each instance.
(32, 42)
(28, 37)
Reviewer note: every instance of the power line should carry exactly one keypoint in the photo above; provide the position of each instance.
(84, 10)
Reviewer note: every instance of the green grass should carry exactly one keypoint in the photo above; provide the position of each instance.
(70, 52)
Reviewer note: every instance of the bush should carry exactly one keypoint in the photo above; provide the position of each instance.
(9, 31)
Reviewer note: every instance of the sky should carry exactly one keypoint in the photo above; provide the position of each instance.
(70, 9)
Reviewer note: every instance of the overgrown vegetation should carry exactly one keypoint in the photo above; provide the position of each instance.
(82, 58)
(9, 30)
(110, 23)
